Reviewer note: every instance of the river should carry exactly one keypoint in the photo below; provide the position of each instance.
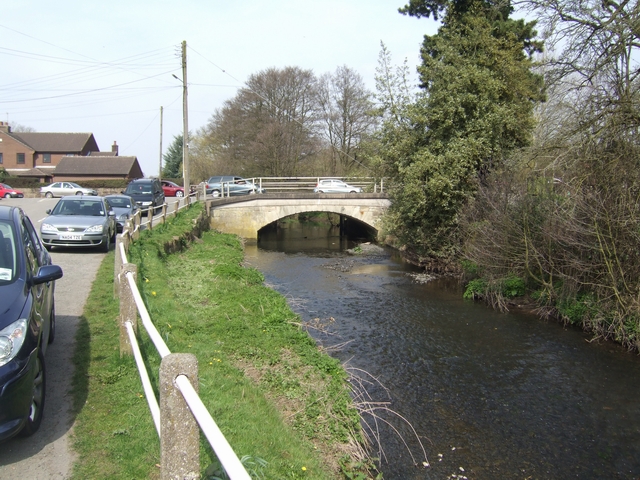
(488, 395)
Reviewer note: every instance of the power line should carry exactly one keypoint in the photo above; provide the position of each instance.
(86, 91)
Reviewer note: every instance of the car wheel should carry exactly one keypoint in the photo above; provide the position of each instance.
(47, 248)
(52, 321)
(37, 399)
(179, 193)
(7, 195)
(48, 195)
(78, 192)
(215, 193)
(106, 245)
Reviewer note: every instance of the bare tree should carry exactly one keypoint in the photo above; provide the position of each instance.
(269, 127)
(16, 127)
(347, 112)
(394, 92)
(592, 48)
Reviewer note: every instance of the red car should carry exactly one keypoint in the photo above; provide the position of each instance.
(7, 192)
(171, 189)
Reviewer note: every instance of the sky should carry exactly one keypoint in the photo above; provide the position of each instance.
(107, 67)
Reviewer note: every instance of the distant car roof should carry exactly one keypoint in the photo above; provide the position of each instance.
(90, 198)
(6, 212)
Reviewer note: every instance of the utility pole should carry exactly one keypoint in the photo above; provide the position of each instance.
(160, 164)
(185, 122)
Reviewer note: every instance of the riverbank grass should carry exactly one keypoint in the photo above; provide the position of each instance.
(281, 403)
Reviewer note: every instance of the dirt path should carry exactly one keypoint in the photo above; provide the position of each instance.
(48, 454)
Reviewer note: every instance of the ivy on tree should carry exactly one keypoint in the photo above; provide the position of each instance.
(476, 106)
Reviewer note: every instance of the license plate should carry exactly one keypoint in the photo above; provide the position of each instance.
(70, 237)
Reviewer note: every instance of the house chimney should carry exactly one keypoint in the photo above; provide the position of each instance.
(4, 127)
(114, 148)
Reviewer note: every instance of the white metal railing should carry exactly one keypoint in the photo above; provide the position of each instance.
(152, 401)
(305, 184)
(229, 460)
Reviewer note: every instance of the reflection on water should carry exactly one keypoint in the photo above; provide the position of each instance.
(490, 395)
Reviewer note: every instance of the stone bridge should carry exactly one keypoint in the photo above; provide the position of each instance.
(246, 215)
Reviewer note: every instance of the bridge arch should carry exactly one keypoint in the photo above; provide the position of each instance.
(245, 216)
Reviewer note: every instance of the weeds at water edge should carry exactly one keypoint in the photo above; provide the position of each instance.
(373, 414)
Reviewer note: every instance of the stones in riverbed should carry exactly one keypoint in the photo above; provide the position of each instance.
(367, 249)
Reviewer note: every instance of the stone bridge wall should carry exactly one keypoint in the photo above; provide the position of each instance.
(244, 216)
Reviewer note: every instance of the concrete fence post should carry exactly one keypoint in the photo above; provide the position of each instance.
(126, 239)
(128, 309)
(137, 220)
(164, 213)
(179, 432)
(116, 267)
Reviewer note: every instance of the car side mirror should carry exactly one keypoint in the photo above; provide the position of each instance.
(111, 213)
(48, 212)
(46, 274)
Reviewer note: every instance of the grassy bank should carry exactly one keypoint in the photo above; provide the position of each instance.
(276, 398)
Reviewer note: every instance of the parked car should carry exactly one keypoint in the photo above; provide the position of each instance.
(79, 222)
(125, 208)
(27, 322)
(61, 189)
(172, 189)
(8, 192)
(332, 185)
(146, 192)
(230, 185)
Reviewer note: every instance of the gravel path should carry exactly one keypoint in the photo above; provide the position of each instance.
(48, 454)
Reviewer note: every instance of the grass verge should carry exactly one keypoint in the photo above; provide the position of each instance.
(273, 394)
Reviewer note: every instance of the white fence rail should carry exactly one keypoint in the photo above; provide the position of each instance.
(301, 184)
(180, 407)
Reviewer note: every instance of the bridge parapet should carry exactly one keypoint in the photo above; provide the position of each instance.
(246, 215)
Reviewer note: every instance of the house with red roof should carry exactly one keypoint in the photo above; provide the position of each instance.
(62, 156)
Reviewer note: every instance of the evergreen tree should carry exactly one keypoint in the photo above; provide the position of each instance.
(173, 159)
(478, 94)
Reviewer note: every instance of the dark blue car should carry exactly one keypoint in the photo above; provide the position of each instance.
(27, 322)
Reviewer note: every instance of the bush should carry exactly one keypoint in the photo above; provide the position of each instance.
(512, 287)
(119, 183)
(21, 182)
(577, 310)
(475, 289)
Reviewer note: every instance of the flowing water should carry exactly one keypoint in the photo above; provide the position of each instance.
(489, 395)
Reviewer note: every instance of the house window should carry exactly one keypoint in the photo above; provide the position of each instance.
(46, 158)
(1, 159)
(20, 158)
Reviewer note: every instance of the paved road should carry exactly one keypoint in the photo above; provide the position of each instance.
(47, 454)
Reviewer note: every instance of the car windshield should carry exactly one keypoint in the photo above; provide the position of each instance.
(79, 207)
(4, 185)
(8, 260)
(120, 202)
(139, 189)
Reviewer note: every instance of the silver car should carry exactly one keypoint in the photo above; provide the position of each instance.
(124, 207)
(60, 189)
(79, 222)
(332, 185)
(230, 186)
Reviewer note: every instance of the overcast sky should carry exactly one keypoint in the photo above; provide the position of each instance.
(106, 67)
